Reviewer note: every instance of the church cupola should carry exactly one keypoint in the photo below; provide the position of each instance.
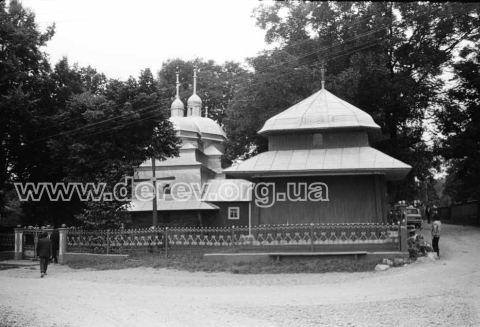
(194, 103)
(177, 108)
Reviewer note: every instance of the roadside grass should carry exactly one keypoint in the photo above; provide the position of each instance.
(196, 263)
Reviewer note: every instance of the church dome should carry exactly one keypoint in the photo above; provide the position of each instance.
(177, 104)
(194, 100)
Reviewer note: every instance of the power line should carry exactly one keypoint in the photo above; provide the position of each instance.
(117, 127)
(90, 125)
(79, 118)
(297, 58)
(352, 38)
(81, 128)
(261, 71)
(311, 61)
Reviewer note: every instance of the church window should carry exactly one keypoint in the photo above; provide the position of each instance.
(233, 213)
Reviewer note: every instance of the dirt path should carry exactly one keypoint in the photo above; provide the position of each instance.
(440, 293)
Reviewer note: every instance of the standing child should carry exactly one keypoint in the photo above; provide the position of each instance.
(436, 229)
(44, 251)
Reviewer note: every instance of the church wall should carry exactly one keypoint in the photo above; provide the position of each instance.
(220, 217)
(352, 199)
(319, 140)
(186, 218)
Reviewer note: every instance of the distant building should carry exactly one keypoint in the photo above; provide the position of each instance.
(319, 168)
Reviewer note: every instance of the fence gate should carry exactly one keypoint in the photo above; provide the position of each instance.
(30, 239)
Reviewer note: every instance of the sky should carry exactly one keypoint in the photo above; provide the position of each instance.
(120, 38)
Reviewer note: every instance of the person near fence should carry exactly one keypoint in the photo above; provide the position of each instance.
(44, 251)
(428, 213)
(55, 238)
(436, 229)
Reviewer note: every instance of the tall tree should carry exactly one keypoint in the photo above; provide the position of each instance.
(459, 124)
(24, 93)
(384, 57)
(105, 132)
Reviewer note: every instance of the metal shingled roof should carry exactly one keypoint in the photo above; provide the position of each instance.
(337, 161)
(171, 205)
(201, 125)
(322, 110)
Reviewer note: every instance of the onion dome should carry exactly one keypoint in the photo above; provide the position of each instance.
(177, 107)
(177, 104)
(194, 101)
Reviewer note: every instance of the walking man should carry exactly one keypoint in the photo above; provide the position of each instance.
(44, 251)
(436, 229)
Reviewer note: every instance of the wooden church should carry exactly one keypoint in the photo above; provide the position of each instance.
(322, 142)
(319, 168)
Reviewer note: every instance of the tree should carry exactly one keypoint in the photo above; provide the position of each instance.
(459, 124)
(105, 132)
(383, 57)
(24, 93)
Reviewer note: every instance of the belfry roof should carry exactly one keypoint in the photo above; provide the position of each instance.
(318, 162)
(320, 111)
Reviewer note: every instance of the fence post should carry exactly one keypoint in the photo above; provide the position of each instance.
(403, 235)
(233, 236)
(311, 236)
(62, 249)
(108, 241)
(18, 243)
(166, 243)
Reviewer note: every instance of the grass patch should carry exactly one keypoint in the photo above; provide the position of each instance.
(196, 263)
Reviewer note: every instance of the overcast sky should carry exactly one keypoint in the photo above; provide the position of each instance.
(120, 38)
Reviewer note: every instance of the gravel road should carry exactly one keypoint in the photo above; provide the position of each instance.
(445, 292)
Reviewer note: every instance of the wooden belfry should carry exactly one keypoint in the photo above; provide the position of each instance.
(322, 140)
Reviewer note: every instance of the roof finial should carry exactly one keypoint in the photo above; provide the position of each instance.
(195, 79)
(323, 74)
(177, 84)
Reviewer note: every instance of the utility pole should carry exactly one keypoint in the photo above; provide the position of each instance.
(154, 184)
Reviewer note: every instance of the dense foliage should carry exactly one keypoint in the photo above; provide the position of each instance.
(386, 58)
(458, 121)
(72, 124)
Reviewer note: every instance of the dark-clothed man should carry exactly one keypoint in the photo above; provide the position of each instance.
(44, 251)
(428, 213)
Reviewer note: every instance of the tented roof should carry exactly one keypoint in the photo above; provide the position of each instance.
(337, 161)
(320, 111)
